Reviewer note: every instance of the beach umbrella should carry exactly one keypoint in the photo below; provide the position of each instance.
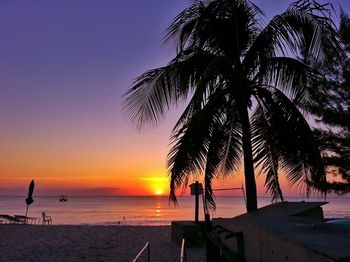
(29, 199)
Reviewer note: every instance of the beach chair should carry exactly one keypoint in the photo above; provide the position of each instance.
(7, 219)
(21, 219)
(46, 219)
(27, 220)
(3, 219)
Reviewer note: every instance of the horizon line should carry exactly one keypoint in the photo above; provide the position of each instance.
(166, 196)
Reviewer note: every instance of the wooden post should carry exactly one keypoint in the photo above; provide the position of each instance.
(196, 202)
(196, 190)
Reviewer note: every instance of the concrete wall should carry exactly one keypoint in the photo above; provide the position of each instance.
(262, 246)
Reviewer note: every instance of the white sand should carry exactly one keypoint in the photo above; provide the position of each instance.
(89, 243)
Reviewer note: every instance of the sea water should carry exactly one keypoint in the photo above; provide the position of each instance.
(142, 210)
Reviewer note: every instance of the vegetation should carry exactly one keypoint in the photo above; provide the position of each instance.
(244, 84)
(333, 112)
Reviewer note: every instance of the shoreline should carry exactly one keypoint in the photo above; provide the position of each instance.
(89, 243)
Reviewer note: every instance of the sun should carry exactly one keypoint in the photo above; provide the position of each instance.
(158, 192)
(157, 186)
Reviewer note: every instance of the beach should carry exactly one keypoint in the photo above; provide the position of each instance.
(89, 243)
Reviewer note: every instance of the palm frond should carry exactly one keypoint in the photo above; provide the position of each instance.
(298, 80)
(155, 91)
(212, 164)
(303, 29)
(191, 142)
(265, 155)
(298, 153)
(232, 146)
(207, 88)
(313, 28)
(183, 26)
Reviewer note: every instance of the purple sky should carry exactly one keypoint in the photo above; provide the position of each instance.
(64, 66)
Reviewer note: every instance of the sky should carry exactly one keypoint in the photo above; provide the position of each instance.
(64, 67)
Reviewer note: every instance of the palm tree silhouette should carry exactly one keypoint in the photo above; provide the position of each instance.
(245, 85)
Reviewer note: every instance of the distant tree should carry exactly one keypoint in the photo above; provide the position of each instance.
(333, 113)
(244, 84)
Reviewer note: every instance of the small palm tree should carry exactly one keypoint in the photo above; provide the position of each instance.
(244, 84)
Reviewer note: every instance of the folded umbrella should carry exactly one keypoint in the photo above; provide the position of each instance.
(29, 199)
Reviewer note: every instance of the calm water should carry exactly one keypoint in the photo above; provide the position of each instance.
(140, 210)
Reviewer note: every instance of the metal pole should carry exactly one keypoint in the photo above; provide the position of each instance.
(25, 219)
(183, 255)
(245, 201)
(196, 202)
(146, 247)
(149, 253)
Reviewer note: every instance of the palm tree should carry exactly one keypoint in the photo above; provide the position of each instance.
(244, 84)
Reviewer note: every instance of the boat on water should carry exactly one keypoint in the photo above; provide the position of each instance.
(63, 198)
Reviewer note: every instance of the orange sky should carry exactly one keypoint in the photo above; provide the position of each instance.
(134, 166)
(87, 159)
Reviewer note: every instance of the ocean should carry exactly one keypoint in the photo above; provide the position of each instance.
(142, 210)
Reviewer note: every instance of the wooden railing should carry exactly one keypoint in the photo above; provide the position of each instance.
(183, 256)
(146, 247)
(217, 247)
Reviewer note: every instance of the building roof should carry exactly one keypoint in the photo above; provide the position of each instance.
(284, 220)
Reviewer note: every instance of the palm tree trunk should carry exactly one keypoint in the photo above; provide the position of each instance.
(279, 190)
(250, 184)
